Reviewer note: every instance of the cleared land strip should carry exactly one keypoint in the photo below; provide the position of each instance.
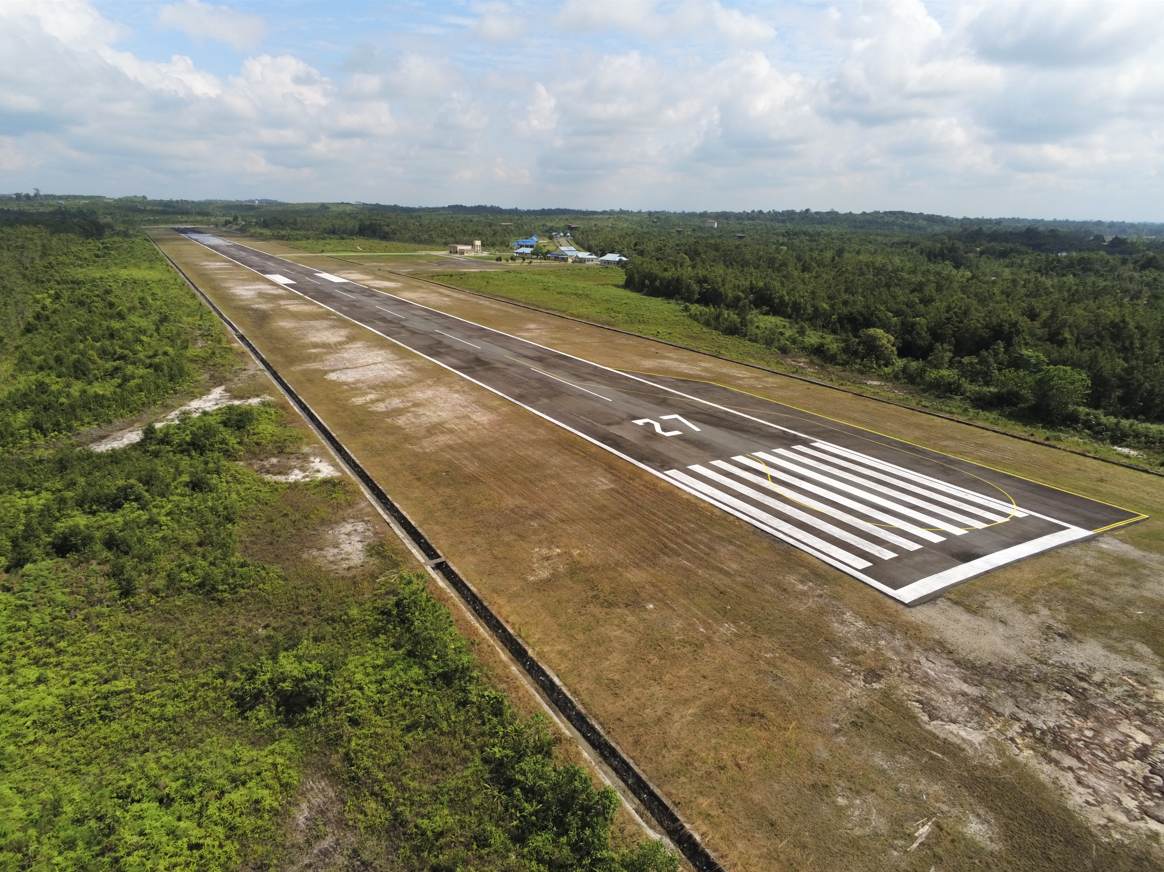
(743, 676)
(688, 842)
(665, 426)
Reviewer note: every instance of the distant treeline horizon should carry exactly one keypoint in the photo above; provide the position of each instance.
(882, 219)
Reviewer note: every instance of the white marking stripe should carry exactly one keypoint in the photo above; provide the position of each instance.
(964, 571)
(860, 494)
(905, 485)
(275, 277)
(458, 338)
(768, 521)
(966, 520)
(345, 293)
(864, 526)
(389, 311)
(331, 278)
(973, 496)
(904, 526)
(571, 384)
(803, 517)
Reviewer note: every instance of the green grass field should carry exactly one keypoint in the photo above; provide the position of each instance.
(596, 294)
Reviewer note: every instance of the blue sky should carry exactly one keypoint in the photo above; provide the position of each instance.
(967, 108)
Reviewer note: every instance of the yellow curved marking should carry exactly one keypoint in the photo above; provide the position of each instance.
(1138, 517)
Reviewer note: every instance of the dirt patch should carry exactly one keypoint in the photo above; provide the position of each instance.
(319, 839)
(1007, 681)
(308, 465)
(346, 545)
(216, 399)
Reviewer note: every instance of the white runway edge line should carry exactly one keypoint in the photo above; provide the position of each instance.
(920, 589)
(937, 484)
(836, 514)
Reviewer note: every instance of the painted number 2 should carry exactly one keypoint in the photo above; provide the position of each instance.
(660, 430)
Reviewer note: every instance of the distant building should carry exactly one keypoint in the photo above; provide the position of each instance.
(741, 236)
(611, 259)
(526, 243)
(585, 257)
(710, 222)
(524, 250)
(457, 248)
(572, 227)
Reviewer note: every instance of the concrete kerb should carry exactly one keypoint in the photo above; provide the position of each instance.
(634, 782)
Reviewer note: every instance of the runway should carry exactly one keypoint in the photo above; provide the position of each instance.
(907, 521)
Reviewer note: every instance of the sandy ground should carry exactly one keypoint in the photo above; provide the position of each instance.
(796, 718)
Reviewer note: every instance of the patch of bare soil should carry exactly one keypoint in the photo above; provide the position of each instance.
(319, 838)
(346, 546)
(1008, 679)
(216, 399)
(308, 465)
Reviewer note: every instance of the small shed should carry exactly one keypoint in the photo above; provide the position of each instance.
(711, 222)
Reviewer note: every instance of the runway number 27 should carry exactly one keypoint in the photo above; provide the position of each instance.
(660, 430)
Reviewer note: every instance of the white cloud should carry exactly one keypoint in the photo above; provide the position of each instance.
(201, 21)
(1004, 108)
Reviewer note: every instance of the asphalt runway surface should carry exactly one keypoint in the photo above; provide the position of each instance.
(908, 521)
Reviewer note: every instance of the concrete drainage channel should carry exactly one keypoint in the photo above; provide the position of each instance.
(683, 837)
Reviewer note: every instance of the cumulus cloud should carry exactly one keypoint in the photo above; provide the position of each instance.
(986, 107)
(201, 21)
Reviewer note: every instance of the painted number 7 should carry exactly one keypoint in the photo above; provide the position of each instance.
(660, 430)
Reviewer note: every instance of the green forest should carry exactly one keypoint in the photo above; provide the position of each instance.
(175, 676)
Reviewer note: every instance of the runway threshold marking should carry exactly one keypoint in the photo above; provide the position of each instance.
(898, 439)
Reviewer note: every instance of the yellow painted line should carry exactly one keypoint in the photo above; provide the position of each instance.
(906, 442)
(1119, 523)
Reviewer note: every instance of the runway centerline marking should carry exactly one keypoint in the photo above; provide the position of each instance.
(571, 384)
(389, 311)
(458, 338)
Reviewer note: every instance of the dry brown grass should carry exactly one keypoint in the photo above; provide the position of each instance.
(796, 718)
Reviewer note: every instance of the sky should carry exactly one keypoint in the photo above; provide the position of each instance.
(995, 109)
